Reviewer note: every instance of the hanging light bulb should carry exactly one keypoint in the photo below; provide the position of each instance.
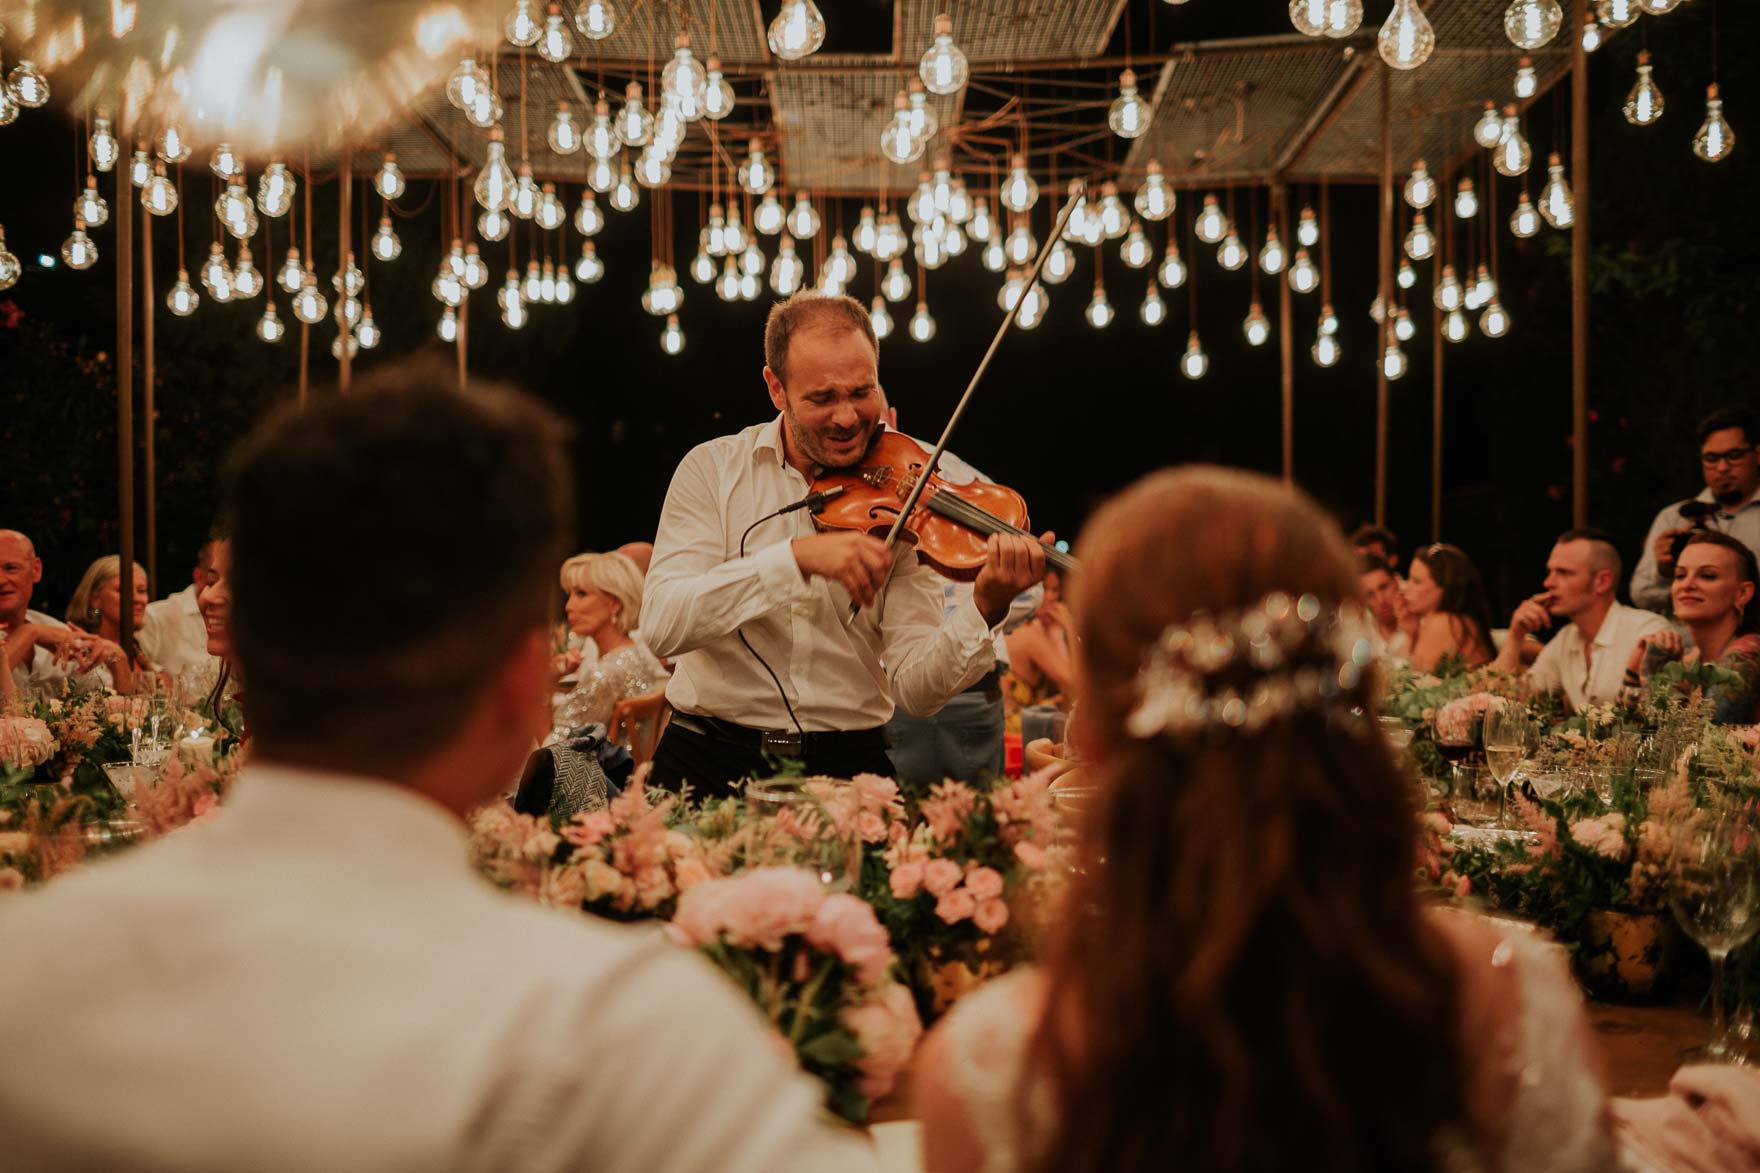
(485, 108)
(994, 256)
(550, 215)
(291, 274)
(1231, 254)
(1531, 23)
(797, 31)
(547, 283)
(1494, 322)
(1194, 362)
(235, 210)
(756, 175)
(246, 281)
(349, 280)
(1304, 275)
(803, 220)
(589, 268)
(1512, 154)
(1021, 245)
(389, 180)
(1309, 16)
(495, 184)
(899, 142)
(1393, 360)
(270, 327)
(1099, 312)
(1256, 327)
(160, 196)
(493, 226)
(1172, 273)
(921, 207)
(1715, 139)
(626, 195)
(1019, 191)
(841, 264)
(1466, 201)
(462, 84)
(1325, 350)
(1154, 199)
(1343, 17)
(1307, 229)
(514, 315)
(769, 217)
(1114, 220)
(1152, 311)
(1406, 40)
(1555, 197)
(1644, 104)
(473, 272)
(224, 162)
(751, 261)
(596, 19)
(684, 81)
(588, 219)
(367, 331)
(1420, 188)
(601, 140)
(1404, 328)
(634, 124)
(922, 326)
(1406, 275)
(787, 270)
(556, 43)
(1616, 13)
(181, 298)
(275, 188)
(309, 305)
(1488, 131)
(924, 124)
(702, 268)
(1136, 250)
(77, 250)
(1328, 319)
(90, 206)
(521, 26)
(672, 337)
(1062, 262)
(943, 67)
(172, 146)
(1129, 114)
(1591, 35)
(533, 288)
(1272, 257)
(718, 99)
(525, 197)
(1484, 288)
(1420, 241)
(1524, 221)
(879, 317)
(216, 274)
(889, 238)
(1211, 223)
(1526, 82)
(564, 285)
(1447, 295)
(1033, 308)
(981, 227)
(896, 285)
(565, 136)
(1011, 290)
(104, 148)
(447, 326)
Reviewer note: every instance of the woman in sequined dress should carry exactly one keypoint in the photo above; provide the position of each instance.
(605, 605)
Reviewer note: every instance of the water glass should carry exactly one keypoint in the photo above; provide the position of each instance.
(1476, 795)
(1714, 891)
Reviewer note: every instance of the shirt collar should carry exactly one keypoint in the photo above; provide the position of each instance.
(1604, 637)
(768, 438)
(1751, 503)
(351, 816)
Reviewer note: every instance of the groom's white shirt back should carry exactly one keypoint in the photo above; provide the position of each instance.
(316, 979)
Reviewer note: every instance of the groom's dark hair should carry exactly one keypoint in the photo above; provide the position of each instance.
(389, 546)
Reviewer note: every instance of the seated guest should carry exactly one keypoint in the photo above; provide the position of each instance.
(1447, 614)
(316, 977)
(1252, 981)
(1729, 504)
(1381, 594)
(96, 608)
(641, 553)
(210, 683)
(174, 635)
(40, 651)
(1041, 662)
(604, 606)
(1587, 659)
(1714, 584)
(1379, 541)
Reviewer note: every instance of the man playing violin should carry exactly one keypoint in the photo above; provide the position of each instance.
(753, 604)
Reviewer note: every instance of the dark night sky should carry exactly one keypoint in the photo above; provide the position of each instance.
(1067, 414)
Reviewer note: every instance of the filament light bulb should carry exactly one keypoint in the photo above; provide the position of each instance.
(625, 195)
(1304, 275)
(589, 268)
(1466, 201)
(1099, 312)
(879, 317)
(1343, 17)
(896, 285)
(672, 337)
(1407, 39)
(1526, 82)
(495, 184)
(684, 80)
(172, 146)
(634, 125)
(718, 99)
(11, 268)
(224, 162)
(1555, 197)
(770, 217)
(105, 150)
(275, 188)
(216, 274)
(1326, 351)
(588, 219)
(899, 142)
(1494, 322)
(291, 274)
(1420, 189)
(493, 226)
(943, 68)
(1062, 262)
(1448, 294)
(160, 196)
(1308, 16)
(1512, 153)
(90, 206)
(1524, 221)
(1715, 139)
(1644, 104)
(1454, 326)
(1019, 191)
(756, 175)
(922, 326)
(1129, 114)
(1172, 273)
(797, 31)
(787, 271)
(1194, 362)
(564, 136)
(1211, 223)
(309, 305)
(181, 298)
(1272, 257)
(1488, 131)
(1152, 311)
(557, 42)
(270, 327)
(246, 281)
(1231, 254)
(1307, 229)
(1257, 327)
(78, 250)
(389, 180)
(1154, 199)
(1393, 361)
(1616, 14)
(1420, 241)
(803, 220)
(596, 19)
(1529, 24)
(1404, 329)
(1136, 251)
(521, 26)
(1405, 274)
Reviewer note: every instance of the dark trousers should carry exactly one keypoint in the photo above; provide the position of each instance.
(712, 765)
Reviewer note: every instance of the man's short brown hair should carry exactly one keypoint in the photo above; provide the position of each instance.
(389, 547)
(811, 310)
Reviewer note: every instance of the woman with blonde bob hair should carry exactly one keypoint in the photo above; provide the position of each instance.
(605, 605)
(1252, 981)
(96, 608)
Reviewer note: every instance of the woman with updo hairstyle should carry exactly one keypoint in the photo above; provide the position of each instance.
(1447, 613)
(1245, 977)
(604, 604)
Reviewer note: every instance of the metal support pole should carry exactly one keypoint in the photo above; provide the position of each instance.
(1579, 268)
(464, 334)
(124, 214)
(345, 182)
(1385, 285)
(149, 433)
(1286, 344)
(1436, 345)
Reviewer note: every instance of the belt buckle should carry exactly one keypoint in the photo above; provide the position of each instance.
(780, 744)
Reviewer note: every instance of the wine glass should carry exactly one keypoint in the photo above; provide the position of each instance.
(1714, 890)
(1509, 736)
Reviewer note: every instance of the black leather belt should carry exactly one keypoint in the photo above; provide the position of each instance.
(990, 685)
(782, 743)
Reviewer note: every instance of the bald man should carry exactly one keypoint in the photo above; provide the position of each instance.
(641, 553)
(40, 650)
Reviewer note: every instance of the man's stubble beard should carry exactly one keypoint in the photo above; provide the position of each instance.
(809, 444)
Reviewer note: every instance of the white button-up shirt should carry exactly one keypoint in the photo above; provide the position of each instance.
(1563, 663)
(700, 592)
(318, 979)
(173, 635)
(1649, 588)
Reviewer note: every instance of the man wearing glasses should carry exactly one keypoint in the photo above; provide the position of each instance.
(1729, 503)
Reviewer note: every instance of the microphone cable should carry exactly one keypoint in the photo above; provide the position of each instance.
(813, 503)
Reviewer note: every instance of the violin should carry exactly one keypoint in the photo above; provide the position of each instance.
(949, 522)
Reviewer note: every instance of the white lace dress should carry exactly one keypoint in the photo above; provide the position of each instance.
(1556, 1122)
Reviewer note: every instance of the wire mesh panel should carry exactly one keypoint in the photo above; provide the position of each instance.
(1008, 30)
(732, 30)
(830, 123)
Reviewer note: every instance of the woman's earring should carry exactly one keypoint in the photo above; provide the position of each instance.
(94, 616)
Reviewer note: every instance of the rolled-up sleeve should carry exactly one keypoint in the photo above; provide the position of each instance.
(694, 594)
(928, 658)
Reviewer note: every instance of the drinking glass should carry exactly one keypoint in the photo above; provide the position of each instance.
(1714, 890)
(1509, 736)
(1475, 795)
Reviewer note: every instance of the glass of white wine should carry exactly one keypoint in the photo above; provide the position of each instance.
(1714, 890)
(1509, 737)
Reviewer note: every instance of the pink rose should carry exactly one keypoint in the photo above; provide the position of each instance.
(990, 916)
(756, 909)
(847, 926)
(941, 876)
(887, 1030)
(907, 879)
(956, 906)
(984, 883)
(1031, 854)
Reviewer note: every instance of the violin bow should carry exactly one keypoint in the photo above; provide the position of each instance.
(1079, 193)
